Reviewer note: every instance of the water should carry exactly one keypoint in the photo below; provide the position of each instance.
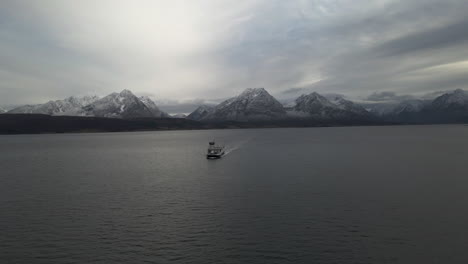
(315, 195)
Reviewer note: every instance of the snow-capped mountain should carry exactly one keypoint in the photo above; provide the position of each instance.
(456, 100)
(118, 105)
(251, 104)
(409, 106)
(407, 111)
(446, 108)
(2, 110)
(68, 106)
(201, 112)
(451, 107)
(314, 104)
(24, 109)
(448, 103)
(317, 106)
(379, 109)
(153, 107)
(348, 105)
(256, 104)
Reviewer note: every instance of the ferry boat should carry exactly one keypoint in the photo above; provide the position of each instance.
(214, 151)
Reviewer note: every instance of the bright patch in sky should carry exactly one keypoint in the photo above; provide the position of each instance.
(211, 49)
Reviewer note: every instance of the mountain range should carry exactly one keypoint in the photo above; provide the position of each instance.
(256, 104)
(451, 107)
(319, 107)
(115, 105)
(67, 106)
(252, 104)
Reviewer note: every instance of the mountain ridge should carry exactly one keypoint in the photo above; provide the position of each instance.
(252, 104)
(115, 105)
(257, 104)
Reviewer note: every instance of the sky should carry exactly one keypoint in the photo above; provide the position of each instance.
(198, 51)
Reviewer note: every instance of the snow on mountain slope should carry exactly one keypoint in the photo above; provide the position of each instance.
(68, 106)
(24, 109)
(312, 104)
(455, 100)
(409, 106)
(118, 105)
(347, 105)
(153, 107)
(251, 104)
(201, 112)
(318, 106)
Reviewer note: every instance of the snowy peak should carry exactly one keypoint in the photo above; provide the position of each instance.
(81, 101)
(205, 108)
(259, 99)
(146, 100)
(152, 107)
(68, 106)
(254, 92)
(409, 106)
(251, 104)
(347, 105)
(313, 103)
(125, 93)
(457, 99)
(24, 109)
(450, 107)
(318, 106)
(118, 105)
(201, 112)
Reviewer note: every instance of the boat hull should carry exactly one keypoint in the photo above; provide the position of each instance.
(214, 156)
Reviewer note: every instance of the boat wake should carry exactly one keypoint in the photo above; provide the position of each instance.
(229, 150)
(233, 147)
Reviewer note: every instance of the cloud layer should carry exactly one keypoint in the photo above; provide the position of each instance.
(186, 50)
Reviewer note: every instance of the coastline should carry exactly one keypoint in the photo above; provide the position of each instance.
(16, 124)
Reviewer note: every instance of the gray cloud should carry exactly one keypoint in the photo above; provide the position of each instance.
(293, 91)
(182, 50)
(387, 96)
(434, 39)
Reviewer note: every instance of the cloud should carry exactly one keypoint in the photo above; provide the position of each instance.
(387, 96)
(161, 47)
(433, 95)
(183, 50)
(293, 91)
(433, 39)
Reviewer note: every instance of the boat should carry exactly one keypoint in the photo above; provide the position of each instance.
(214, 151)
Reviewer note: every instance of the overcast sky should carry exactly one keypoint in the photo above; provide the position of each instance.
(210, 49)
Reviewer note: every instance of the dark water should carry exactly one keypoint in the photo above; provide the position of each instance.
(319, 195)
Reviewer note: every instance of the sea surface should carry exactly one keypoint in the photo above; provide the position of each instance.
(396, 194)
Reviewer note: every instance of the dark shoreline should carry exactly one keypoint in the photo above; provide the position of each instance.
(14, 124)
